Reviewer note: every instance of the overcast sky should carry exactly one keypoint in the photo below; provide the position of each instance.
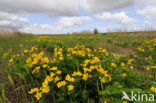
(66, 16)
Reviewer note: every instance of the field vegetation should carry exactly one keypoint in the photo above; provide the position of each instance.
(77, 68)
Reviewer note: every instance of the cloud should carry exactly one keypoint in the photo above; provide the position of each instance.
(38, 28)
(149, 12)
(147, 23)
(147, 8)
(120, 18)
(47, 7)
(11, 21)
(95, 6)
(61, 7)
(62, 24)
(72, 21)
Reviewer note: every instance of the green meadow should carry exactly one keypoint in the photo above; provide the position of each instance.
(76, 68)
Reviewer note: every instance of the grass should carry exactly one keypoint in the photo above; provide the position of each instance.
(136, 34)
(108, 42)
(18, 85)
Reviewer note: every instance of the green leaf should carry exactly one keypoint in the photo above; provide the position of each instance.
(11, 80)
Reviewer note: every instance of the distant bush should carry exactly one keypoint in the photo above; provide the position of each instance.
(95, 31)
(104, 33)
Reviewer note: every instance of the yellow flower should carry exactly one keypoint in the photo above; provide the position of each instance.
(33, 90)
(38, 95)
(113, 65)
(61, 83)
(36, 69)
(45, 89)
(44, 65)
(85, 69)
(124, 102)
(131, 67)
(154, 67)
(130, 61)
(77, 73)
(124, 74)
(70, 87)
(35, 61)
(36, 48)
(122, 64)
(53, 68)
(148, 68)
(153, 89)
(103, 80)
(68, 78)
(96, 59)
(25, 51)
(61, 58)
(48, 78)
(140, 49)
(52, 74)
(86, 61)
(41, 53)
(45, 60)
(85, 76)
(150, 76)
(45, 84)
(56, 79)
(11, 60)
(58, 72)
(107, 53)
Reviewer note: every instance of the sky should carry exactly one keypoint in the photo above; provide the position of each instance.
(67, 16)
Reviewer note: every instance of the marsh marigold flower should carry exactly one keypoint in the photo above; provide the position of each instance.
(58, 72)
(44, 65)
(124, 74)
(153, 89)
(38, 95)
(11, 60)
(103, 80)
(85, 76)
(52, 74)
(56, 79)
(33, 90)
(70, 87)
(25, 51)
(148, 68)
(131, 67)
(61, 83)
(122, 64)
(45, 89)
(69, 78)
(53, 68)
(113, 65)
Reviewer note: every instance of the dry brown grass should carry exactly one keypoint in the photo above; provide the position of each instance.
(5, 33)
(85, 32)
(136, 34)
